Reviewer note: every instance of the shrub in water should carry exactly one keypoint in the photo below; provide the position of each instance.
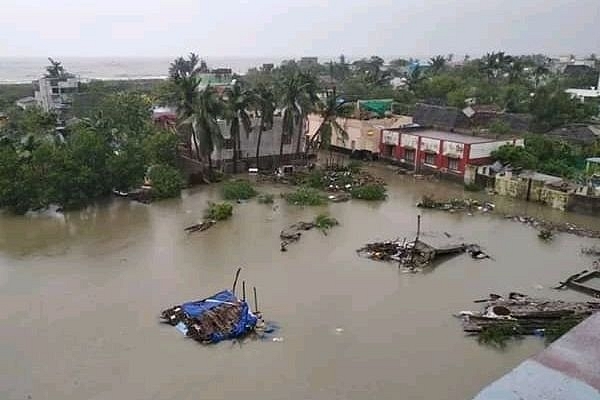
(238, 190)
(325, 222)
(305, 196)
(218, 211)
(266, 198)
(166, 181)
(369, 192)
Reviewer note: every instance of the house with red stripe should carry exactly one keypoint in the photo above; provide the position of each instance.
(430, 150)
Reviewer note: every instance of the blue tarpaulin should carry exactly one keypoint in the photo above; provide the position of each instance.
(245, 322)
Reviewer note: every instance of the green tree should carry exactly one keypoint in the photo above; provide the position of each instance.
(204, 120)
(437, 64)
(161, 148)
(185, 74)
(265, 104)
(166, 181)
(238, 102)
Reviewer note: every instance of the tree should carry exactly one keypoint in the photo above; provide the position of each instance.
(307, 100)
(185, 74)
(291, 92)
(539, 73)
(438, 64)
(204, 119)
(265, 104)
(329, 110)
(166, 181)
(238, 101)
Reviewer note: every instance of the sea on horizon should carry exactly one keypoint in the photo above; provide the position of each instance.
(24, 70)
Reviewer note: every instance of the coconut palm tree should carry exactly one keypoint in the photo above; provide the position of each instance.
(438, 63)
(265, 103)
(307, 101)
(204, 121)
(291, 93)
(238, 101)
(329, 109)
(55, 70)
(185, 74)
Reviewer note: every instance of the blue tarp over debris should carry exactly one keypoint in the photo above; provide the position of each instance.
(216, 318)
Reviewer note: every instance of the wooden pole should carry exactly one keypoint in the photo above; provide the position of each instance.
(244, 290)
(237, 275)
(255, 300)
(418, 228)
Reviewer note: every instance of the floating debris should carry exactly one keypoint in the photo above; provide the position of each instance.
(591, 251)
(220, 317)
(546, 234)
(577, 281)
(454, 205)
(501, 319)
(293, 234)
(202, 226)
(563, 227)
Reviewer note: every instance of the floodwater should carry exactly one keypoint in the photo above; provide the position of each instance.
(80, 297)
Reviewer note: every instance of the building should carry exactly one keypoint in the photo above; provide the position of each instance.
(438, 151)
(165, 117)
(536, 187)
(585, 94)
(26, 102)
(219, 78)
(55, 94)
(363, 135)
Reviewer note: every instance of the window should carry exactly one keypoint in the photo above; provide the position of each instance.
(409, 155)
(453, 164)
(430, 158)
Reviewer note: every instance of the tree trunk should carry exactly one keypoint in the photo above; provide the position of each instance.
(299, 139)
(195, 141)
(281, 147)
(260, 132)
(235, 152)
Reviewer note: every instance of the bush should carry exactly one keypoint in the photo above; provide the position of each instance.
(354, 166)
(218, 211)
(266, 198)
(305, 196)
(238, 190)
(325, 222)
(166, 181)
(369, 192)
(472, 187)
(497, 336)
(161, 148)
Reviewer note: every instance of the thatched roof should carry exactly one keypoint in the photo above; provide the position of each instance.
(439, 116)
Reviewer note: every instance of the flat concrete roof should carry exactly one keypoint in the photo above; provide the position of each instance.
(452, 136)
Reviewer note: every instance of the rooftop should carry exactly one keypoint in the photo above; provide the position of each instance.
(451, 136)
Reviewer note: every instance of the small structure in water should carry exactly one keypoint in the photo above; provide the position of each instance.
(580, 282)
(222, 316)
(519, 314)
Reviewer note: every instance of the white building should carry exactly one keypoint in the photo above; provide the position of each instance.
(55, 94)
(582, 94)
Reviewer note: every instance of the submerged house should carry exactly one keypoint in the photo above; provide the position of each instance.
(536, 187)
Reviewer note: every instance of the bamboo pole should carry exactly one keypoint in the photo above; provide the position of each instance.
(255, 300)
(237, 275)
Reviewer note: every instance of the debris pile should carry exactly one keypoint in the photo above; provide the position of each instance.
(580, 281)
(293, 234)
(563, 227)
(518, 315)
(220, 317)
(415, 255)
(200, 227)
(593, 251)
(454, 205)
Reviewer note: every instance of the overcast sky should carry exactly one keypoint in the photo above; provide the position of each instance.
(296, 27)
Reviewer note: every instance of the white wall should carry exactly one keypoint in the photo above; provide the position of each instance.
(484, 150)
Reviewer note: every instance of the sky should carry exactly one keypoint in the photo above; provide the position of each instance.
(280, 28)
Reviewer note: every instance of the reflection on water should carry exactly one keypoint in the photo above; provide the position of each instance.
(81, 295)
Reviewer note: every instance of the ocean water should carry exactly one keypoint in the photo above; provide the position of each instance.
(24, 70)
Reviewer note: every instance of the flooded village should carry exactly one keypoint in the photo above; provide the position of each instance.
(244, 246)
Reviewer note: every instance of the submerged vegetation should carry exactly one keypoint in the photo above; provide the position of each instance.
(238, 190)
(305, 196)
(372, 192)
(218, 211)
(324, 222)
(266, 198)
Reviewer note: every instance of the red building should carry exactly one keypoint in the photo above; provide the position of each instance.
(433, 150)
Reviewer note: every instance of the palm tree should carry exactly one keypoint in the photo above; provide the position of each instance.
(185, 74)
(308, 99)
(265, 103)
(292, 87)
(55, 70)
(329, 110)
(204, 122)
(237, 103)
(438, 63)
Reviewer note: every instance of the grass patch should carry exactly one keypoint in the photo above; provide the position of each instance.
(498, 336)
(559, 328)
(218, 211)
(369, 192)
(238, 190)
(266, 198)
(324, 222)
(473, 187)
(305, 196)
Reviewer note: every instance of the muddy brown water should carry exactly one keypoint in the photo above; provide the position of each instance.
(80, 295)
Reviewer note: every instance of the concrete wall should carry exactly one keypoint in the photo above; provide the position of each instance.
(584, 204)
(567, 370)
(554, 198)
